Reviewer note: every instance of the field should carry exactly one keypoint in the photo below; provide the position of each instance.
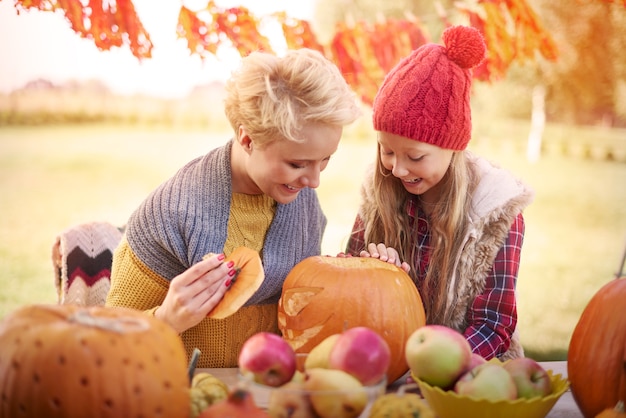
(55, 177)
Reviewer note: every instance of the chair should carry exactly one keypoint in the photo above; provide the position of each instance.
(82, 257)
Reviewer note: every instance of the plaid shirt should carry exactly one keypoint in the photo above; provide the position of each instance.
(492, 317)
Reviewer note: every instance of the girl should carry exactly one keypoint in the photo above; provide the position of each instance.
(453, 218)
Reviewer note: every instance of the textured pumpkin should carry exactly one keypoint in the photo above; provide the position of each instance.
(325, 295)
(248, 281)
(206, 390)
(401, 404)
(596, 359)
(76, 362)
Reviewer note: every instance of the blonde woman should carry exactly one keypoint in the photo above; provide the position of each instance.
(451, 219)
(258, 190)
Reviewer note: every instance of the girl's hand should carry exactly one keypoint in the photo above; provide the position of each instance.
(384, 253)
(195, 292)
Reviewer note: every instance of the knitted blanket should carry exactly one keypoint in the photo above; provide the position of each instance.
(82, 257)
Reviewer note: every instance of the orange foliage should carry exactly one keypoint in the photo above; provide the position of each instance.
(364, 51)
(512, 32)
(108, 24)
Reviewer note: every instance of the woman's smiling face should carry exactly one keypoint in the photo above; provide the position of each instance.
(282, 168)
(418, 165)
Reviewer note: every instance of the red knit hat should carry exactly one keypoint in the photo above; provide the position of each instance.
(426, 96)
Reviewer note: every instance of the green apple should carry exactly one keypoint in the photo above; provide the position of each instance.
(488, 381)
(320, 354)
(335, 393)
(438, 355)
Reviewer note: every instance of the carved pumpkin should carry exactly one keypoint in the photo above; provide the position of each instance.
(325, 295)
(596, 359)
(75, 362)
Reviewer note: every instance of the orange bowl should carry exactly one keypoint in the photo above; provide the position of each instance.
(449, 404)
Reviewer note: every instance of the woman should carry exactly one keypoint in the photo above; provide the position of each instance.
(451, 219)
(257, 191)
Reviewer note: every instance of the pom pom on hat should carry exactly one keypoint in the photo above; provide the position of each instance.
(426, 96)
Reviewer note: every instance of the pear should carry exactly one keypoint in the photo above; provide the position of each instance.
(291, 401)
(298, 376)
(320, 354)
(335, 393)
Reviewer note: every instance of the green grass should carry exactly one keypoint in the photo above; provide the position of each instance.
(55, 177)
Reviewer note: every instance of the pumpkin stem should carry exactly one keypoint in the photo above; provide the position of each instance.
(120, 325)
(620, 407)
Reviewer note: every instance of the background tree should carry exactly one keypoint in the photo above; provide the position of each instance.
(587, 85)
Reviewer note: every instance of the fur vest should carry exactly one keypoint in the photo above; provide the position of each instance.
(498, 198)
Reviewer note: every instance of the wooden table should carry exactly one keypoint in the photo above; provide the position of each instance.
(564, 408)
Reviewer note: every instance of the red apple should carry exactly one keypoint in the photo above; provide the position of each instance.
(530, 378)
(268, 359)
(488, 381)
(361, 352)
(438, 355)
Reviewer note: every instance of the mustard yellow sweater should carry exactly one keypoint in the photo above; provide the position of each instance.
(133, 284)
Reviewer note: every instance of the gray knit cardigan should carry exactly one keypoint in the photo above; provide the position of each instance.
(187, 217)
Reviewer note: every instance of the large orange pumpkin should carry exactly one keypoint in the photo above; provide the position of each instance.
(596, 359)
(325, 295)
(69, 361)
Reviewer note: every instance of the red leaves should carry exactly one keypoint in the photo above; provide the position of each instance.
(512, 32)
(108, 24)
(209, 28)
(200, 37)
(298, 33)
(364, 52)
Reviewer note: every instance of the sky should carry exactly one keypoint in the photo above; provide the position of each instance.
(38, 44)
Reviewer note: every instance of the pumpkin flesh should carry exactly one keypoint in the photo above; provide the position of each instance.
(248, 281)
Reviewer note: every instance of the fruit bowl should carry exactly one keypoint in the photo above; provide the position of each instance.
(293, 400)
(448, 404)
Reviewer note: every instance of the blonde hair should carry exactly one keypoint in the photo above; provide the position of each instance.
(387, 221)
(272, 97)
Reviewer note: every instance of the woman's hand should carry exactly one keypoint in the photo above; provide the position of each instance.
(384, 253)
(195, 292)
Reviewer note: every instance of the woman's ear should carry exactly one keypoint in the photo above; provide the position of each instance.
(244, 140)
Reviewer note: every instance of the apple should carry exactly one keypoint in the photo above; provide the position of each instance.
(530, 378)
(488, 381)
(363, 353)
(437, 355)
(335, 393)
(319, 356)
(475, 360)
(291, 401)
(268, 359)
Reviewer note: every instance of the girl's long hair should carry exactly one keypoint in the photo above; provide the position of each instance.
(387, 221)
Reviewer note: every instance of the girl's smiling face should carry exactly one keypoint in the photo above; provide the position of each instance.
(282, 168)
(418, 165)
